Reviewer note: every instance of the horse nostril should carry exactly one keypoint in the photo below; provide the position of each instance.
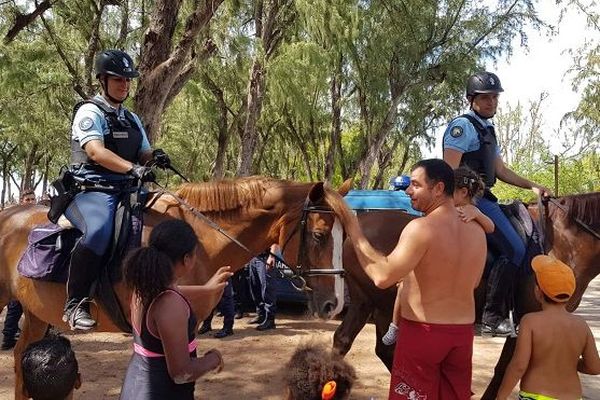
(328, 307)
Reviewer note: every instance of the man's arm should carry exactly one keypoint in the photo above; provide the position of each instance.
(507, 175)
(385, 271)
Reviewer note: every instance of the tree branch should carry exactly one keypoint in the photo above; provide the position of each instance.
(24, 20)
(76, 79)
(92, 48)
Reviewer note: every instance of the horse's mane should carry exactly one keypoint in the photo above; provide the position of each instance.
(225, 195)
(585, 207)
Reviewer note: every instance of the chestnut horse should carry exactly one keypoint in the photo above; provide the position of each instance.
(565, 239)
(256, 211)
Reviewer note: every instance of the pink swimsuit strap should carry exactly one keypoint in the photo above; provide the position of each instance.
(150, 354)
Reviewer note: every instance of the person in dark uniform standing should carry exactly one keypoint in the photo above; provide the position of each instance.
(108, 148)
(262, 288)
(226, 307)
(470, 140)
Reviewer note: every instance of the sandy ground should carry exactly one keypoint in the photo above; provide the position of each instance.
(254, 361)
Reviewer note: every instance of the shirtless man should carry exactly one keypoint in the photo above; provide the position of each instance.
(440, 259)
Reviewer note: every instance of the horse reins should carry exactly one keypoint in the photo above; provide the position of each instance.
(582, 224)
(298, 272)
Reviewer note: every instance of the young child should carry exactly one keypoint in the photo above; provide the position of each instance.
(50, 370)
(552, 344)
(467, 187)
(164, 364)
(315, 373)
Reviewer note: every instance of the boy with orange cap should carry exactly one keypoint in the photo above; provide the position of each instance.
(553, 345)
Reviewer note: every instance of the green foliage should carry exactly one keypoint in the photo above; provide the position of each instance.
(398, 63)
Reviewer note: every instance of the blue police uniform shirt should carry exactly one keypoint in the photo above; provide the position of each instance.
(89, 123)
(461, 135)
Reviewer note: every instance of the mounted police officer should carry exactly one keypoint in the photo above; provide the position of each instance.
(109, 148)
(470, 140)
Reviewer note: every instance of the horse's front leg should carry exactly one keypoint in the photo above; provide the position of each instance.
(355, 319)
(507, 352)
(34, 329)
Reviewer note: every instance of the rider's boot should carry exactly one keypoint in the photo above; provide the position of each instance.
(83, 272)
(499, 289)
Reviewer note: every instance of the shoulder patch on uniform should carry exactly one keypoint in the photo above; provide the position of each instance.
(456, 131)
(86, 123)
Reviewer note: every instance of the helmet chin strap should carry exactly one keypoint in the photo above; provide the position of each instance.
(476, 113)
(104, 84)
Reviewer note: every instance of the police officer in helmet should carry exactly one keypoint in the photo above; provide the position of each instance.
(470, 140)
(109, 147)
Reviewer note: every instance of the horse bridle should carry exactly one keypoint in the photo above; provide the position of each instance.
(579, 222)
(298, 272)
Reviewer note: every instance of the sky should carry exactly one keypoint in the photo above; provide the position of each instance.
(541, 68)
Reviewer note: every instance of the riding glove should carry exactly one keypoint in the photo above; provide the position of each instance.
(161, 159)
(142, 173)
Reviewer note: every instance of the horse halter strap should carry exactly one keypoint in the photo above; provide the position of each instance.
(298, 271)
(579, 222)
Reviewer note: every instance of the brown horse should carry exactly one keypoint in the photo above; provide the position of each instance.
(565, 239)
(256, 211)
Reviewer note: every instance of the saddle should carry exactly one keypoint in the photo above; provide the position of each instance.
(48, 254)
(528, 230)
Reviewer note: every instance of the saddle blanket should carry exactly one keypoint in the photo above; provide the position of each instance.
(380, 200)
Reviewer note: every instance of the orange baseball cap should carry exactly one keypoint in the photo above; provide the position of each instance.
(554, 277)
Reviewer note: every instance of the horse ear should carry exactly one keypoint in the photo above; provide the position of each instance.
(317, 193)
(346, 186)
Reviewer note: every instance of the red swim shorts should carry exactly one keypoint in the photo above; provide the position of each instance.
(432, 361)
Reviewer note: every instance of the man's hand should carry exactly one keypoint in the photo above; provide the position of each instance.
(270, 263)
(142, 173)
(161, 159)
(541, 191)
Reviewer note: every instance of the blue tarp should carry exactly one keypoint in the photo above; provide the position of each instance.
(380, 200)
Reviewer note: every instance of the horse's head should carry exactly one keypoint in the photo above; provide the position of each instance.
(315, 245)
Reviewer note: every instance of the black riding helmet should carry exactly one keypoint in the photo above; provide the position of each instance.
(483, 82)
(115, 63)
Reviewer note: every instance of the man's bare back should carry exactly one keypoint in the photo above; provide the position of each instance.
(440, 288)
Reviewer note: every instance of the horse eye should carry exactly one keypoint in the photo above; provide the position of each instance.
(319, 236)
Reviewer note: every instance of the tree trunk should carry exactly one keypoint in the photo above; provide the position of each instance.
(164, 68)
(5, 173)
(223, 136)
(27, 180)
(375, 144)
(256, 88)
(385, 159)
(336, 121)
(300, 145)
